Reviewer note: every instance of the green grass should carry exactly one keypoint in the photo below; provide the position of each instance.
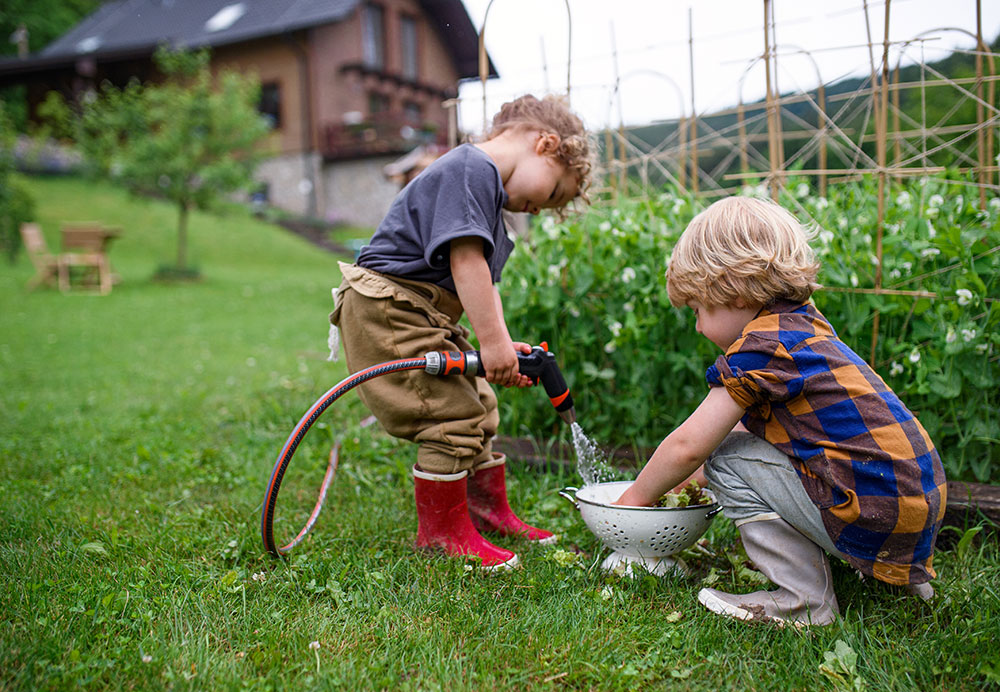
(137, 432)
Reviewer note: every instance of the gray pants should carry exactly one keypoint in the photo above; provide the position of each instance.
(754, 481)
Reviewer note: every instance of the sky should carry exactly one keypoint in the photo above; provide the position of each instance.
(643, 47)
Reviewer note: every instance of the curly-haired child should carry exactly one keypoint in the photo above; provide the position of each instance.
(807, 449)
(440, 251)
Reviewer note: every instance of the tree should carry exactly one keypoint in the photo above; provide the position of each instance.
(191, 139)
(16, 203)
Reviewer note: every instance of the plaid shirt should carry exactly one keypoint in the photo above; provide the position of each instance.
(862, 456)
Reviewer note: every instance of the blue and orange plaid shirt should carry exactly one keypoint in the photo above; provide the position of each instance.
(862, 456)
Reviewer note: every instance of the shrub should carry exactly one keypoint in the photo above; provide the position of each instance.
(593, 287)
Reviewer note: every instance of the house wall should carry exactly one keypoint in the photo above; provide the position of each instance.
(272, 60)
(298, 179)
(357, 192)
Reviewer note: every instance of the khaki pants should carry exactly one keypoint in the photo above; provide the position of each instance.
(382, 318)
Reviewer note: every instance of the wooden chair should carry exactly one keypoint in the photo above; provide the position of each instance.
(85, 247)
(47, 266)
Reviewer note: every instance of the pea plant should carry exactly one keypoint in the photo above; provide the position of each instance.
(593, 287)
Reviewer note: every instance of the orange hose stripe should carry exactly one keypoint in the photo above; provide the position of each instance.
(559, 399)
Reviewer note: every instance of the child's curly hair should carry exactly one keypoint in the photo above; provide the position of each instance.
(551, 114)
(742, 249)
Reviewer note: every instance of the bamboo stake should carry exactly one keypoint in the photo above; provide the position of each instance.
(881, 124)
(980, 111)
(742, 124)
(694, 112)
(772, 138)
(821, 122)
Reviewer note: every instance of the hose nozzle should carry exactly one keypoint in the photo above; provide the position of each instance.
(540, 365)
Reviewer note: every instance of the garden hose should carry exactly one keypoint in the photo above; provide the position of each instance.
(539, 365)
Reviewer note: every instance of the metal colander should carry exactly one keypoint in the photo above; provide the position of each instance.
(639, 532)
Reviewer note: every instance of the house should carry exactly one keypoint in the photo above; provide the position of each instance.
(351, 85)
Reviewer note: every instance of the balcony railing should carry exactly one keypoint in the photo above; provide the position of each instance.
(380, 134)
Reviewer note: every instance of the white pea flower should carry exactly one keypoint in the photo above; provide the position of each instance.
(968, 335)
(605, 226)
(931, 231)
(982, 348)
(914, 356)
(874, 260)
(893, 228)
(842, 222)
(867, 238)
(610, 347)
(895, 369)
(854, 280)
(895, 274)
(907, 267)
(628, 307)
(573, 311)
(903, 200)
(802, 190)
(959, 202)
(826, 237)
(822, 203)
(950, 337)
(935, 201)
(628, 274)
(964, 296)
(930, 252)
(616, 328)
(554, 270)
(994, 203)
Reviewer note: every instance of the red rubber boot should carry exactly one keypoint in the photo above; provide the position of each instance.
(489, 507)
(443, 520)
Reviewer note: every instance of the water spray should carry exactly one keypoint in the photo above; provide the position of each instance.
(539, 365)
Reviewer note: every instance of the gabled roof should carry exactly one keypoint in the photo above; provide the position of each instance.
(136, 27)
(124, 25)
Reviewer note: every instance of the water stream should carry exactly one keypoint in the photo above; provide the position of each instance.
(591, 463)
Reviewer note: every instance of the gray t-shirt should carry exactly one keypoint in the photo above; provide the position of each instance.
(459, 195)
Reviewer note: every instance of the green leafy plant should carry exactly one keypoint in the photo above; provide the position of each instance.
(594, 288)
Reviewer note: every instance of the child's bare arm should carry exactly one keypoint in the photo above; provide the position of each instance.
(481, 302)
(685, 449)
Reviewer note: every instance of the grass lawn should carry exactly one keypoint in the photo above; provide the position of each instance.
(138, 430)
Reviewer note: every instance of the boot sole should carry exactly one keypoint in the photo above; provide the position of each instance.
(720, 607)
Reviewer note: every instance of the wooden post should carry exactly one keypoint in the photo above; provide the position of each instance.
(694, 112)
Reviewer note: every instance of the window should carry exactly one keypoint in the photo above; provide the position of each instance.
(413, 114)
(373, 37)
(377, 103)
(408, 37)
(270, 102)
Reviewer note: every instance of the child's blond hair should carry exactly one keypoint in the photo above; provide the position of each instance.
(551, 114)
(742, 249)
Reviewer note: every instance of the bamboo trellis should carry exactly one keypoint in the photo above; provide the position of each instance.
(831, 130)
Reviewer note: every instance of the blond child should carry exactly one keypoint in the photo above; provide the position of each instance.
(807, 449)
(440, 251)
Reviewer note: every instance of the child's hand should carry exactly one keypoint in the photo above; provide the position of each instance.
(500, 361)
